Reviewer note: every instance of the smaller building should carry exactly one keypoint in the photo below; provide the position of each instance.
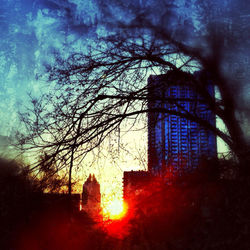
(91, 195)
(134, 183)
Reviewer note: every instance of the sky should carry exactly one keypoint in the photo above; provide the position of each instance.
(31, 31)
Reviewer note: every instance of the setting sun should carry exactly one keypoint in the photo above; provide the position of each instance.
(115, 209)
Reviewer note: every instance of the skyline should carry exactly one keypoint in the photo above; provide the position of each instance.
(36, 30)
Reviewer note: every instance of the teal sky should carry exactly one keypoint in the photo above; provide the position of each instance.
(31, 31)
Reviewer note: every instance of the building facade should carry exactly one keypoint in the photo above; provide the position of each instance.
(134, 183)
(91, 195)
(176, 143)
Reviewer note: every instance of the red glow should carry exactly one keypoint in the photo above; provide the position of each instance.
(116, 219)
(115, 210)
(117, 228)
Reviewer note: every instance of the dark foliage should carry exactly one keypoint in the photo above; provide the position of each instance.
(198, 211)
(201, 211)
(19, 196)
(31, 219)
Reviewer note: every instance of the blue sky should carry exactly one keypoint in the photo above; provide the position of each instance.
(30, 32)
(33, 30)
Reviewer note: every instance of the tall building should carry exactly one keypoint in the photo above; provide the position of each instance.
(176, 143)
(91, 195)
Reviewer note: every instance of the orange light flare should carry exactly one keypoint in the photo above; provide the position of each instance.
(115, 210)
(116, 218)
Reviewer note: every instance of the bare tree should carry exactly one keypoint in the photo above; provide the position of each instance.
(98, 89)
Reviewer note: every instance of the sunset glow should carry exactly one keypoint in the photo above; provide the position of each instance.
(115, 209)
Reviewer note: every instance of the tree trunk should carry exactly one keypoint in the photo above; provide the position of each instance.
(70, 173)
(239, 145)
